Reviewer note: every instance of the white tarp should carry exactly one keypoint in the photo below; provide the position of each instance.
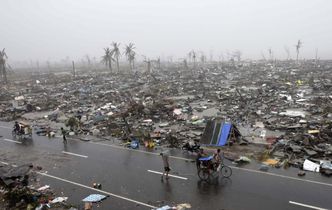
(177, 111)
(18, 98)
(293, 113)
(310, 166)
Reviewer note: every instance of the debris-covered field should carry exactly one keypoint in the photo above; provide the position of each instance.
(277, 113)
(283, 105)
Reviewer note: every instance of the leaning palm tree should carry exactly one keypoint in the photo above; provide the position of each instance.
(3, 57)
(116, 53)
(107, 58)
(130, 54)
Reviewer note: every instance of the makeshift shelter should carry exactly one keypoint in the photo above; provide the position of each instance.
(219, 133)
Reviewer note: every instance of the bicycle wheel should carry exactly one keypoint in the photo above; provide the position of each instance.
(226, 171)
(14, 134)
(203, 174)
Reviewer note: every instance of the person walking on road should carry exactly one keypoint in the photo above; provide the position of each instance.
(167, 169)
(63, 132)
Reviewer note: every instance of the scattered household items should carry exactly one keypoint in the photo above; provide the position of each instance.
(182, 206)
(301, 173)
(97, 185)
(191, 147)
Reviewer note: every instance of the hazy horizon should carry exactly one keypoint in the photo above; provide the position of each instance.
(52, 30)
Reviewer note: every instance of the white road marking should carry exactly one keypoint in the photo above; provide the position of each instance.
(233, 167)
(157, 172)
(305, 205)
(135, 150)
(5, 127)
(18, 142)
(69, 153)
(98, 190)
(129, 149)
(282, 176)
(8, 164)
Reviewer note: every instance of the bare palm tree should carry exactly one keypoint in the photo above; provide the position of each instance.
(132, 58)
(159, 63)
(193, 55)
(74, 70)
(190, 56)
(148, 62)
(298, 46)
(185, 63)
(287, 52)
(107, 58)
(116, 53)
(88, 59)
(270, 53)
(130, 54)
(202, 57)
(3, 57)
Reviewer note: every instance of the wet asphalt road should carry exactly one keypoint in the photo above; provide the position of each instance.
(124, 176)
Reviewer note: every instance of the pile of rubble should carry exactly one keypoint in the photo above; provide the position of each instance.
(19, 190)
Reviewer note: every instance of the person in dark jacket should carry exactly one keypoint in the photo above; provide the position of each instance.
(63, 132)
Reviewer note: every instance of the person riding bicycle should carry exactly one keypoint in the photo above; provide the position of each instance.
(17, 128)
(200, 154)
(217, 159)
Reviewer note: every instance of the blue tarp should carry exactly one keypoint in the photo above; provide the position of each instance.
(134, 144)
(226, 128)
(218, 133)
(206, 158)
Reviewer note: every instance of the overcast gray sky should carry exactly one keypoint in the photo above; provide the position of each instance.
(54, 29)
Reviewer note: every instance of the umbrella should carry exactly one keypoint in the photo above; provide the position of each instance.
(94, 198)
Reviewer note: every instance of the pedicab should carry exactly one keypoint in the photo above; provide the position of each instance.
(208, 169)
(24, 131)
